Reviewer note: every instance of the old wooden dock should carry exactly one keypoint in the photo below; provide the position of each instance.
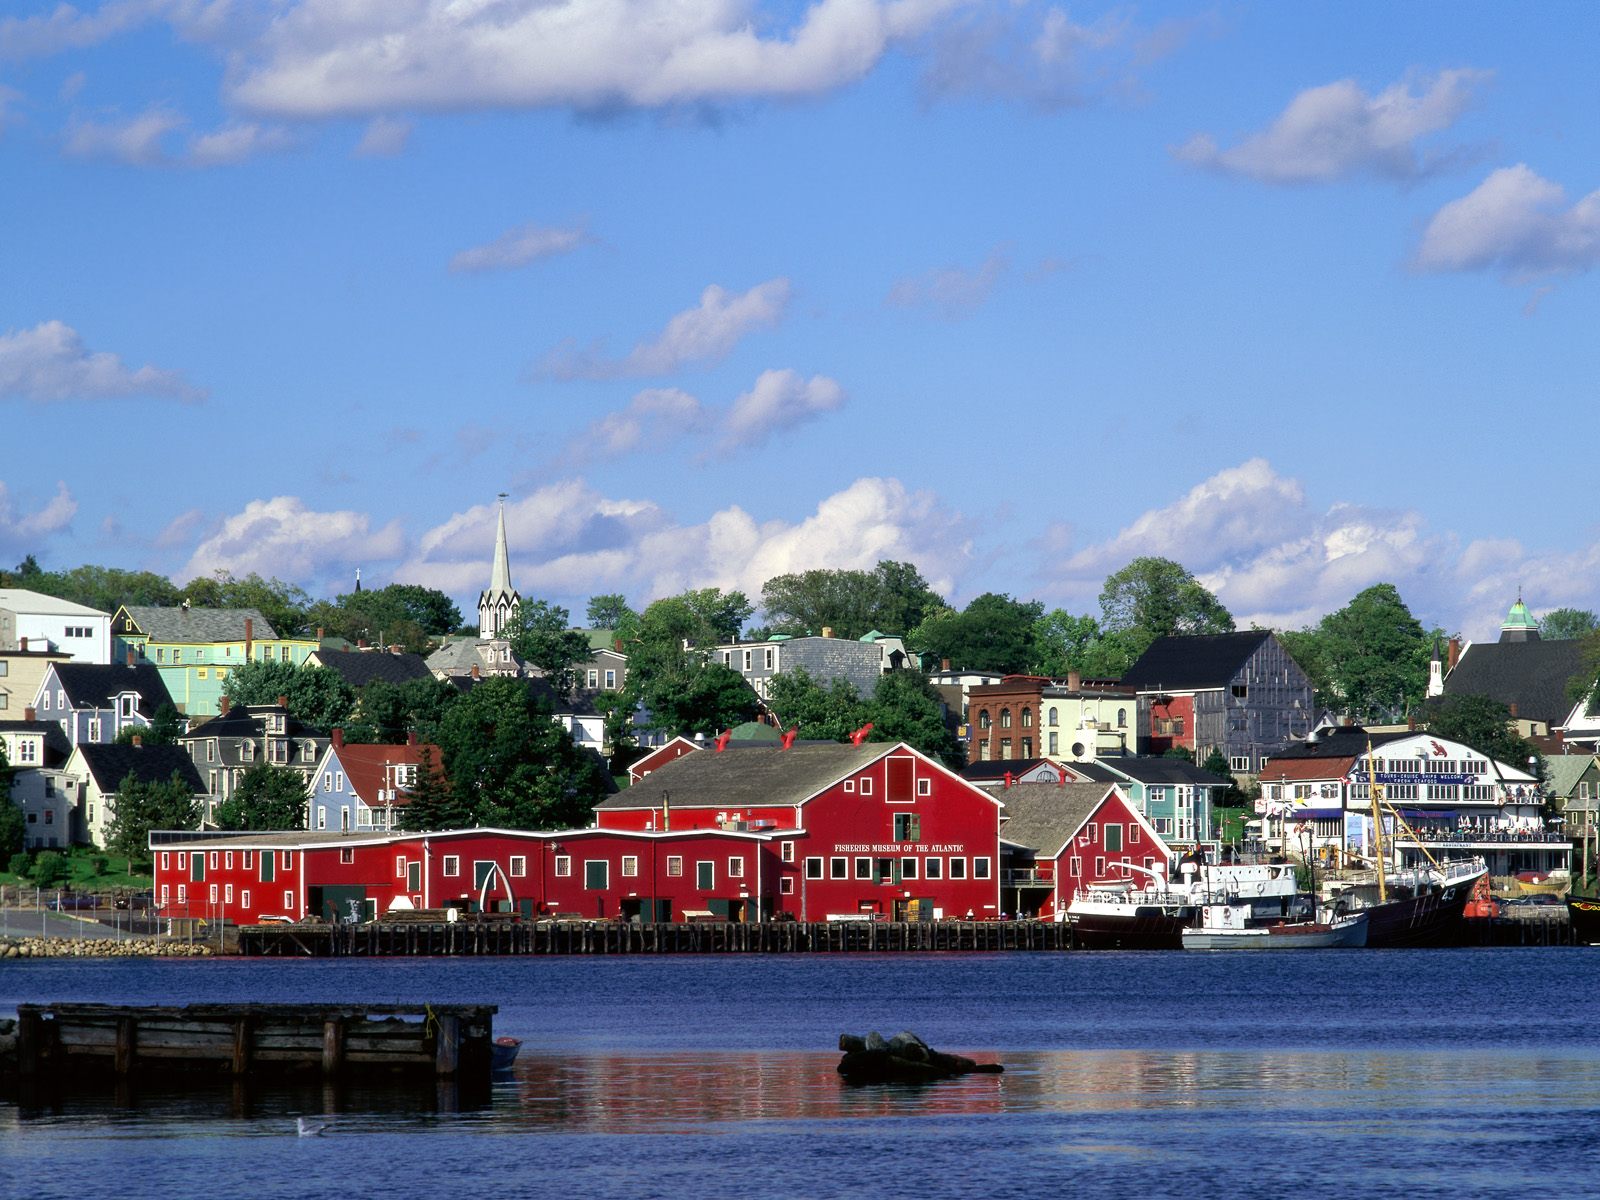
(492, 937)
(444, 1041)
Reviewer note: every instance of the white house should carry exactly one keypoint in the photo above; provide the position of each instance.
(32, 620)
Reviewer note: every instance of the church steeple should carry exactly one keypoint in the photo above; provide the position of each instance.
(496, 605)
(1519, 625)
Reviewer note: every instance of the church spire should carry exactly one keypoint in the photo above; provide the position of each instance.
(500, 580)
(496, 605)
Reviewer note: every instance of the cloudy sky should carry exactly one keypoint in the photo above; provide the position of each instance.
(1302, 295)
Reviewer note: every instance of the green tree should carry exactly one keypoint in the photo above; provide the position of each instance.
(511, 765)
(905, 708)
(892, 597)
(13, 825)
(993, 633)
(404, 614)
(266, 798)
(137, 808)
(431, 802)
(105, 588)
(1375, 654)
(704, 698)
(1308, 648)
(669, 671)
(829, 713)
(319, 696)
(283, 604)
(1486, 725)
(1216, 763)
(51, 869)
(611, 611)
(166, 725)
(1152, 598)
(386, 712)
(542, 635)
(1568, 624)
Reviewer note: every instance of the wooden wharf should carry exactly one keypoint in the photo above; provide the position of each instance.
(251, 1041)
(376, 939)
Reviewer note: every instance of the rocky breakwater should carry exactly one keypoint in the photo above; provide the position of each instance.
(99, 948)
(904, 1058)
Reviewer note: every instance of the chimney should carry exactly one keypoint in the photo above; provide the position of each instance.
(1512, 708)
(1455, 655)
(1347, 722)
(130, 656)
(320, 633)
(475, 672)
(411, 737)
(1411, 722)
(1074, 681)
(138, 741)
(283, 702)
(827, 631)
(338, 736)
(225, 705)
(23, 644)
(361, 643)
(944, 664)
(249, 634)
(29, 713)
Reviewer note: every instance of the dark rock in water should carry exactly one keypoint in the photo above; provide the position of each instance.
(904, 1058)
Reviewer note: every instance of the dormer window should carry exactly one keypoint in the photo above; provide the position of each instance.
(275, 723)
(128, 702)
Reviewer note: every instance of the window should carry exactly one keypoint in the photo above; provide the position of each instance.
(596, 875)
(1113, 838)
(1005, 718)
(227, 860)
(1075, 867)
(183, 893)
(1122, 718)
(49, 816)
(1027, 747)
(201, 673)
(1157, 795)
(786, 886)
(519, 866)
(94, 729)
(980, 868)
(908, 868)
(322, 817)
(958, 868)
(1050, 717)
(1054, 743)
(244, 898)
(1005, 748)
(213, 863)
(814, 868)
(286, 860)
(932, 868)
(347, 854)
(1027, 717)
(866, 786)
(227, 893)
(630, 866)
(213, 893)
(288, 901)
(1240, 691)
(983, 718)
(747, 655)
(563, 866)
(863, 868)
(767, 658)
(452, 866)
(1238, 762)
(705, 875)
(924, 787)
(838, 868)
(786, 851)
(338, 781)
(907, 827)
(850, 785)
(1099, 865)
(735, 868)
(611, 680)
(675, 866)
(166, 860)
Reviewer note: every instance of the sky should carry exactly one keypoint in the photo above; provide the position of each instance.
(1304, 296)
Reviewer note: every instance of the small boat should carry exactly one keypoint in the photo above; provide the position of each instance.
(1226, 927)
(1584, 912)
(1128, 916)
(503, 1053)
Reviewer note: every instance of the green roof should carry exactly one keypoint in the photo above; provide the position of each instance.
(1519, 617)
(754, 731)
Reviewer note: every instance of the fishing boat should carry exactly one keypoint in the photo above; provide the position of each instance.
(1151, 912)
(503, 1053)
(1584, 913)
(1225, 927)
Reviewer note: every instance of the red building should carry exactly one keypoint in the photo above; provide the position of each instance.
(1061, 838)
(660, 757)
(878, 829)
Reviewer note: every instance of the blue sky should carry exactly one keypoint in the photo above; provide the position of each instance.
(1303, 296)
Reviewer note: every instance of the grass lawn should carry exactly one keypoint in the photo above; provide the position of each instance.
(81, 861)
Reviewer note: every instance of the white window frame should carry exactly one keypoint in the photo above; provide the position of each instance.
(563, 866)
(451, 866)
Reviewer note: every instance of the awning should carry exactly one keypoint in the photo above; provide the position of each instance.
(1314, 814)
(1422, 814)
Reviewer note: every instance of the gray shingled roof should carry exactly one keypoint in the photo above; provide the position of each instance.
(56, 746)
(96, 685)
(1531, 675)
(360, 667)
(1161, 771)
(1043, 816)
(111, 764)
(754, 774)
(1562, 772)
(199, 624)
(1195, 661)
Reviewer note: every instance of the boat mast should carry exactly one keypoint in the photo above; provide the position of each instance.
(1377, 825)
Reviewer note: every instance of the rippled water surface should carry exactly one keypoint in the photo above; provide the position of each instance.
(1442, 1073)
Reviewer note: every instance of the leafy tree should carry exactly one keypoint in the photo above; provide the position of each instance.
(1375, 654)
(137, 808)
(905, 708)
(1063, 642)
(1308, 648)
(617, 708)
(432, 803)
(1568, 624)
(685, 692)
(1486, 725)
(993, 633)
(1156, 597)
(386, 712)
(166, 725)
(1216, 763)
(611, 611)
(541, 634)
(105, 588)
(704, 698)
(892, 597)
(404, 614)
(283, 604)
(830, 713)
(267, 797)
(13, 825)
(319, 696)
(511, 765)
(51, 869)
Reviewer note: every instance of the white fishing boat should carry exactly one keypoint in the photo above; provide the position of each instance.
(1227, 927)
(1150, 912)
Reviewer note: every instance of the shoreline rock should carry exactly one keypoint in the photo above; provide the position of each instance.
(33, 947)
(904, 1058)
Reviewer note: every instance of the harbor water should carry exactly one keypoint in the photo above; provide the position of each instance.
(1443, 1073)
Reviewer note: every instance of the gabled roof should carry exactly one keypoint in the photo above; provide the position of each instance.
(366, 766)
(1533, 675)
(1347, 741)
(248, 722)
(56, 746)
(1562, 771)
(1326, 766)
(198, 625)
(1043, 817)
(361, 667)
(999, 768)
(1160, 771)
(661, 755)
(756, 774)
(37, 603)
(95, 685)
(110, 765)
(1194, 662)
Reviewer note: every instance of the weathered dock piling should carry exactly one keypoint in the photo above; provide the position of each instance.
(252, 1041)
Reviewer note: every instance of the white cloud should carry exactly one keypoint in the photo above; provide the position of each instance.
(654, 417)
(384, 137)
(283, 538)
(779, 400)
(50, 363)
(1515, 221)
(136, 141)
(66, 27)
(519, 247)
(1337, 131)
(568, 541)
(954, 291)
(326, 57)
(22, 532)
(234, 143)
(704, 333)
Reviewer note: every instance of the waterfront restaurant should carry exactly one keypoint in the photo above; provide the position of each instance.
(1453, 801)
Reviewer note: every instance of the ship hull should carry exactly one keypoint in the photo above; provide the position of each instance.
(1348, 933)
(1155, 929)
(1432, 917)
(1584, 912)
